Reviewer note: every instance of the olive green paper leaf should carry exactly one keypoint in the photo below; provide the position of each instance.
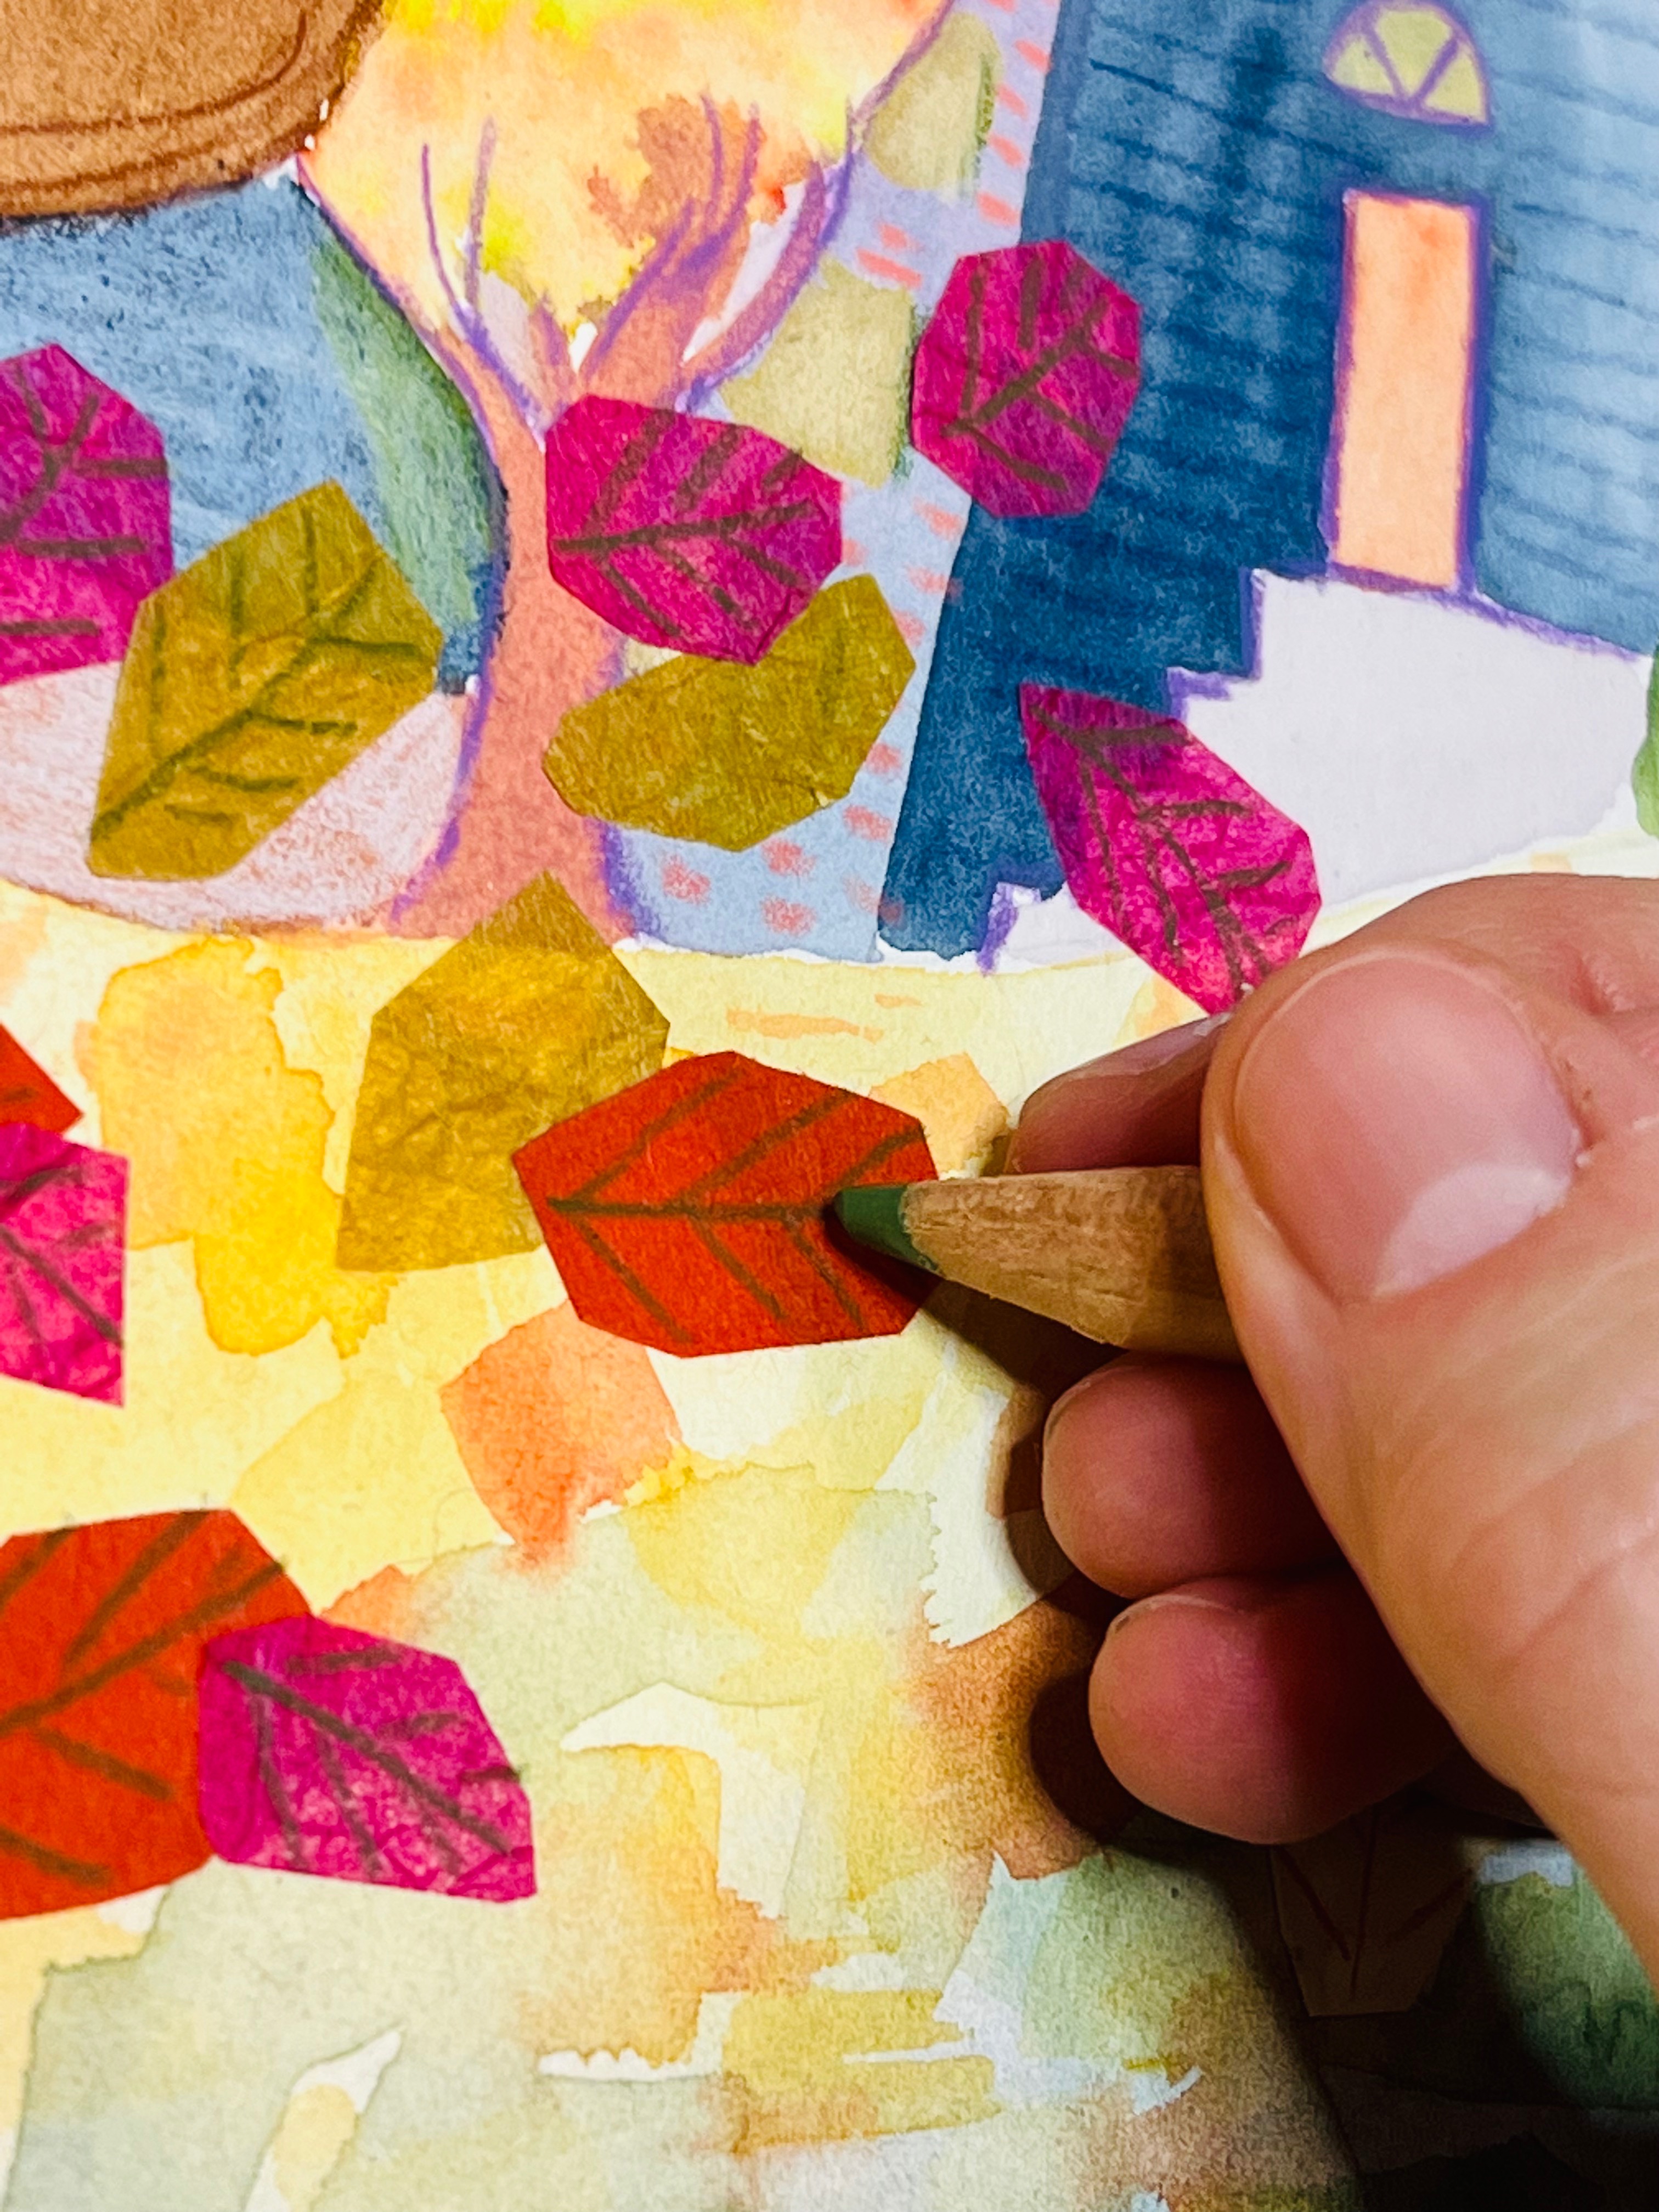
(726, 754)
(250, 681)
(523, 1023)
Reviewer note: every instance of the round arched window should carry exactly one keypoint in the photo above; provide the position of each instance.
(1411, 60)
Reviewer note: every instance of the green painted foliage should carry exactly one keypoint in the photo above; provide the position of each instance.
(1645, 773)
(437, 490)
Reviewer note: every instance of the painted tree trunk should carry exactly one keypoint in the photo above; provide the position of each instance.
(550, 654)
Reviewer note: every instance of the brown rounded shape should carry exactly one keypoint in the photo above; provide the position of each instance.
(110, 104)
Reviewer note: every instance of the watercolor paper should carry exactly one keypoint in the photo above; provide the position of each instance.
(1274, 373)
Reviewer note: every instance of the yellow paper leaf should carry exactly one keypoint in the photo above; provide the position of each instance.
(929, 131)
(728, 754)
(250, 681)
(834, 384)
(521, 1024)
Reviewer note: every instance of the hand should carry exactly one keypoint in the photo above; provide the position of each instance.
(1429, 1514)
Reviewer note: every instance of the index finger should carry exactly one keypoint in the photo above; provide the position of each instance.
(1592, 940)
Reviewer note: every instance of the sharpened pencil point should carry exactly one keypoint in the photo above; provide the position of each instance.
(874, 1214)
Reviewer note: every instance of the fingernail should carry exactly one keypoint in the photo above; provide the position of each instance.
(1049, 1111)
(1148, 1053)
(1396, 1120)
(1223, 1599)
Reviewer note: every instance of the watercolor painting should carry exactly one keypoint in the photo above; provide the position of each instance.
(615, 614)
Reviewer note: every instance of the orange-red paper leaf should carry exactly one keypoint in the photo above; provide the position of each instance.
(101, 1631)
(28, 1093)
(688, 1212)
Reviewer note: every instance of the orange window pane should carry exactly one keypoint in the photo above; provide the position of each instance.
(1402, 413)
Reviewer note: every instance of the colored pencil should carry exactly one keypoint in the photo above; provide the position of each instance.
(1119, 1255)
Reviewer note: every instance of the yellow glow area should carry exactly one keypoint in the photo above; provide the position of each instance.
(563, 86)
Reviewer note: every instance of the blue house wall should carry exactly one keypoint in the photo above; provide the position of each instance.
(1194, 152)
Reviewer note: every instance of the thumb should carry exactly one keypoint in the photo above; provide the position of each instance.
(1434, 1189)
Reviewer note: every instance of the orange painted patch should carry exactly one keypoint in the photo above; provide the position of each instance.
(553, 1418)
(996, 211)
(1403, 402)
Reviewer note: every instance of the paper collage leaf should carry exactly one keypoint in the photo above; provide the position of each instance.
(85, 516)
(727, 754)
(1160, 840)
(101, 1630)
(528, 1019)
(28, 1093)
(63, 1234)
(250, 680)
(687, 1213)
(1368, 1910)
(325, 1751)
(1410, 59)
(698, 536)
(834, 383)
(1024, 378)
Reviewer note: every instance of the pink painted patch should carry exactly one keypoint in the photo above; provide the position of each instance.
(329, 1751)
(863, 824)
(996, 211)
(1024, 378)
(85, 525)
(894, 240)
(785, 858)
(1160, 840)
(683, 883)
(878, 264)
(1006, 150)
(1033, 54)
(786, 919)
(911, 628)
(864, 896)
(939, 520)
(884, 759)
(63, 1229)
(1008, 97)
(699, 536)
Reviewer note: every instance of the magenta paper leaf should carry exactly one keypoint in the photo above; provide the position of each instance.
(85, 525)
(63, 1226)
(1024, 378)
(1162, 842)
(694, 535)
(325, 1751)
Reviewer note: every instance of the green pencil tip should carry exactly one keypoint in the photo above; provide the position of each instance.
(874, 1214)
